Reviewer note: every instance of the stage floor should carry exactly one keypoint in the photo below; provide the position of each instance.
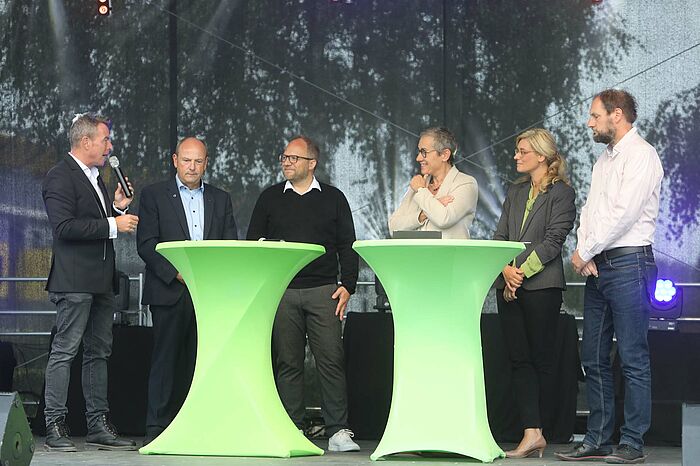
(658, 456)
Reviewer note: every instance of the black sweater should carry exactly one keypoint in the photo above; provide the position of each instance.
(318, 217)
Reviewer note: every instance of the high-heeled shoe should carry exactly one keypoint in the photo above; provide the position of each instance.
(536, 448)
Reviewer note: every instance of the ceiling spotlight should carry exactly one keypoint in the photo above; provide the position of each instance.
(104, 7)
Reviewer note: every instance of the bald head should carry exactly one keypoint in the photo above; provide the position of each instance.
(190, 161)
(190, 143)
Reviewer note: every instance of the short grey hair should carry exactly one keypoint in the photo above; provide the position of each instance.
(206, 148)
(84, 125)
(443, 139)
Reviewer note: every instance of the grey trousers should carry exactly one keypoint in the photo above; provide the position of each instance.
(310, 312)
(88, 318)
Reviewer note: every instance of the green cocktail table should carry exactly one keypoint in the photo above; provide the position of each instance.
(437, 289)
(232, 408)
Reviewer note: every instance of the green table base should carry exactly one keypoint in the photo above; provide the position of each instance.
(436, 289)
(232, 408)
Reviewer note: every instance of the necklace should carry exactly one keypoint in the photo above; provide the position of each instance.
(434, 187)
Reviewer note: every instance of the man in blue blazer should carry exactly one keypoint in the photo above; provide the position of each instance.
(180, 208)
(82, 281)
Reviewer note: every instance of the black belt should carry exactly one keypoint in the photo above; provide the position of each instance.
(611, 254)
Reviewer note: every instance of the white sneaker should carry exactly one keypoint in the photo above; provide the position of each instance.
(342, 441)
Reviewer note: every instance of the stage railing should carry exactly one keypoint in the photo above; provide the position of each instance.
(139, 279)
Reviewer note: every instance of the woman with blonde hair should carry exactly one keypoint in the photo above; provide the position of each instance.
(539, 210)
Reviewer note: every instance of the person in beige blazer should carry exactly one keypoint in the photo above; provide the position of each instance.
(440, 198)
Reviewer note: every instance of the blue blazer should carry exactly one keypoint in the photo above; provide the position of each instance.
(162, 218)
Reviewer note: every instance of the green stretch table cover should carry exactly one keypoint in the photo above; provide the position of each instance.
(232, 408)
(436, 289)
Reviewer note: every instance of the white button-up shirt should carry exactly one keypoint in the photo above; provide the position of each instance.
(314, 185)
(193, 203)
(623, 200)
(92, 173)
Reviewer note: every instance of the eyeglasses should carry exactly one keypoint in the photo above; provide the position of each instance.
(424, 153)
(292, 158)
(523, 152)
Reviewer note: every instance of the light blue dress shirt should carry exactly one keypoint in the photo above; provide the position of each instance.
(193, 203)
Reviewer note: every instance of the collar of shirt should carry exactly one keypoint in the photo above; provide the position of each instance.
(90, 172)
(612, 151)
(181, 185)
(314, 185)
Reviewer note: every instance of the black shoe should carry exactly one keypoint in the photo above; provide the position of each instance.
(58, 437)
(626, 454)
(104, 436)
(583, 452)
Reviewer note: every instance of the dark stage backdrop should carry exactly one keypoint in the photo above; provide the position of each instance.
(363, 78)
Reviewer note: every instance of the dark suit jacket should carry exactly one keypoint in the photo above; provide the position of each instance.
(550, 220)
(162, 218)
(82, 259)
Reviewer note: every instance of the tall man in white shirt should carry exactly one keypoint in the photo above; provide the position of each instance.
(614, 252)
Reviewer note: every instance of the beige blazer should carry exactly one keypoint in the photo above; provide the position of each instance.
(452, 220)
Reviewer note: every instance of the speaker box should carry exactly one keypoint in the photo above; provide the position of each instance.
(691, 434)
(7, 366)
(674, 357)
(16, 441)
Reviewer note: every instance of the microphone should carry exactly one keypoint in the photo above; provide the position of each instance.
(114, 163)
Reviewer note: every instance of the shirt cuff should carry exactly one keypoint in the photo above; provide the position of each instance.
(585, 255)
(532, 265)
(121, 212)
(112, 227)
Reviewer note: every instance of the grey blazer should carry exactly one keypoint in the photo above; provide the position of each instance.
(550, 221)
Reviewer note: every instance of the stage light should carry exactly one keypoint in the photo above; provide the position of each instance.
(665, 292)
(667, 301)
(104, 7)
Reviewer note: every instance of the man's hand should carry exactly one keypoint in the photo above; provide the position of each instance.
(583, 268)
(589, 269)
(342, 295)
(419, 181)
(446, 200)
(422, 217)
(179, 278)
(121, 202)
(513, 276)
(126, 223)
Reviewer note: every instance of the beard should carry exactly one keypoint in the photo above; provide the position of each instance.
(604, 137)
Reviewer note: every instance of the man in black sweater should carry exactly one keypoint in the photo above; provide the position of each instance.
(304, 210)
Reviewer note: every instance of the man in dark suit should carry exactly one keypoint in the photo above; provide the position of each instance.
(181, 208)
(82, 281)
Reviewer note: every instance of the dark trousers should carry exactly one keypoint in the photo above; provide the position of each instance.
(311, 312)
(88, 318)
(172, 362)
(529, 327)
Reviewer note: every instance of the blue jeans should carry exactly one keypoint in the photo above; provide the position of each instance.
(617, 301)
(88, 318)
